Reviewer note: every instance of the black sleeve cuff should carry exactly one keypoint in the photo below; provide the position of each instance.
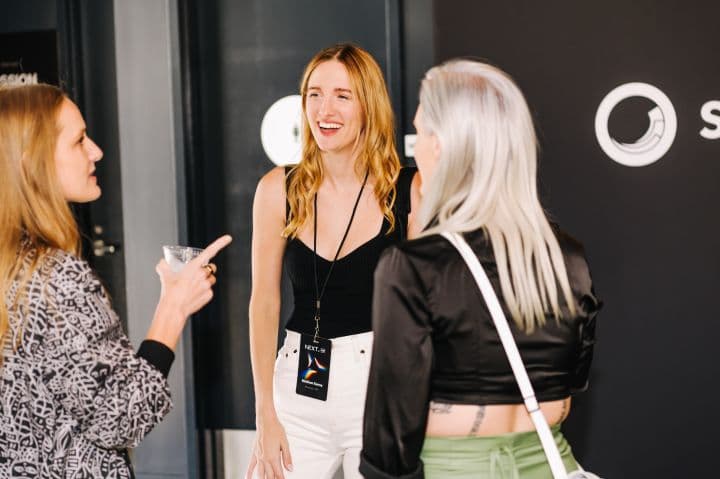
(369, 471)
(157, 354)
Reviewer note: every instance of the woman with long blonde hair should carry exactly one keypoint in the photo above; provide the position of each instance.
(74, 395)
(442, 400)
(328, 219)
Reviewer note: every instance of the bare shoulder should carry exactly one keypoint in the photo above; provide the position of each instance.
(272, 183)
(270, 191)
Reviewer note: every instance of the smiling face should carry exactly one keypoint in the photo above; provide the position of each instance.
(332, 109)
(75, 156)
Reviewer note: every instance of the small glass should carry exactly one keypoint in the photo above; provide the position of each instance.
(178, 256)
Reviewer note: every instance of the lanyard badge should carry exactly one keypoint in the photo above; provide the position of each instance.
(314, 359)
(313, 367)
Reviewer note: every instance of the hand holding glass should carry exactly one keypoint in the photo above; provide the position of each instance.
(187, 278)
(178, 256)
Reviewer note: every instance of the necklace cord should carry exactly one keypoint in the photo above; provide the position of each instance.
(320, 292)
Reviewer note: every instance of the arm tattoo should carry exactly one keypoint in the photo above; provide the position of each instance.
(479, 416)
(440, 408)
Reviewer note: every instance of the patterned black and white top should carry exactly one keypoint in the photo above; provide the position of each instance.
(74, 396)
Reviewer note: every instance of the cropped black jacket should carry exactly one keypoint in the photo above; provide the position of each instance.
(435, 340)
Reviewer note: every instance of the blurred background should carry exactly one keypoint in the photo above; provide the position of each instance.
(175, 92)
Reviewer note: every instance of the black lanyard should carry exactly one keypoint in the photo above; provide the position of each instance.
(320, 292)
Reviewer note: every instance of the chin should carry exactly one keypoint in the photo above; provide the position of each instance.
(90, 196)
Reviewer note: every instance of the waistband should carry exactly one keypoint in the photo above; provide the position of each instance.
(353, 341)
(479, 444)
(508, 456)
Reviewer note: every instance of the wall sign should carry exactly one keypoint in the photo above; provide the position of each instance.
(659, 136)
(28, 58)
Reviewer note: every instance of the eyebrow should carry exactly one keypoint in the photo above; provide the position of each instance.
(345, 90)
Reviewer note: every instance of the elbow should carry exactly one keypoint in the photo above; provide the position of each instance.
(128, 427)
(126, 436)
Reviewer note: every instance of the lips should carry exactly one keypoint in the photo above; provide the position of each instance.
(329, 128)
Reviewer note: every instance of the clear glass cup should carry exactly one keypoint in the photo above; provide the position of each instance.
(178, 256)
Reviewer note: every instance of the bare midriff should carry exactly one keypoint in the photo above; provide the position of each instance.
(453, 420)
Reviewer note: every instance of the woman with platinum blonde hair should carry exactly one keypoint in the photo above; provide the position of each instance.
(442, 398)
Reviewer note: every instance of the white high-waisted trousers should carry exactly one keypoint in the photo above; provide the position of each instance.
(324, 434)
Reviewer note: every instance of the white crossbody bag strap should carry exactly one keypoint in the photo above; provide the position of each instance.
(511, 350)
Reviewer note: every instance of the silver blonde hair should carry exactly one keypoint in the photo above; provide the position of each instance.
(486, 179)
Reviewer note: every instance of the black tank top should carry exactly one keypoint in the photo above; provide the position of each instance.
(347, 302)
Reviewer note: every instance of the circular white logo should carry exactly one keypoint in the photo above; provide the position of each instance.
(280, 130)
(659, 136)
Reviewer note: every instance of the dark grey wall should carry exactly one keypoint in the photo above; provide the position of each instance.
(97, 92)
(418, 54)
(649, 233)
(27, 15)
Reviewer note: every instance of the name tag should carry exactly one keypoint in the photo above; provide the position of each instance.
(313, 367)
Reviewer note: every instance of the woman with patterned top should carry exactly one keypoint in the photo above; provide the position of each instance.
(74, 396)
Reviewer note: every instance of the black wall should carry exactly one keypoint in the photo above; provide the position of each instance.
(651, 233)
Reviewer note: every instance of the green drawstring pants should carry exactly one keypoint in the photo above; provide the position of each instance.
(508, 456)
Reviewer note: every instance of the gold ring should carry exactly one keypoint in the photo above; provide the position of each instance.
(210, 268)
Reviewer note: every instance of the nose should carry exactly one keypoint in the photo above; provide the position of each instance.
(94, 151)
(326, 107)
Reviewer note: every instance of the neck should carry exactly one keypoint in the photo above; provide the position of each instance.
(339, 170)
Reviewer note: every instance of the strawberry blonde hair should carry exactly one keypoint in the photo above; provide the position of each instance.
(376, 143)
(35, 216)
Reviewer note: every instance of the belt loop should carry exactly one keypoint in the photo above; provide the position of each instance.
(362, 346)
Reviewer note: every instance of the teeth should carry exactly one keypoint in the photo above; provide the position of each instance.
(333, 126)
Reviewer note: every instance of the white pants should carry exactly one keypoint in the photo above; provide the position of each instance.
(324, 434)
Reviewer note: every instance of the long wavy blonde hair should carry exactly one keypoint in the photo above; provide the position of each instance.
(34, 215)
(376, 143)
(486, 179)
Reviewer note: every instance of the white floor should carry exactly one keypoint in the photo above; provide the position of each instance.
(237, 445)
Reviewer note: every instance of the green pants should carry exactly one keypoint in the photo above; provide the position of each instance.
(508, 456)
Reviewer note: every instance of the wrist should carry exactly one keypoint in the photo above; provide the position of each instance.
(170, 306)
(265, 413)
(167, 324)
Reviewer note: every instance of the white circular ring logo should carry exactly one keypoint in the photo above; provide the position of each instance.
(280, 130)
(659, 136)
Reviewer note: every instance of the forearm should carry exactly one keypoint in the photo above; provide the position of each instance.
(167, 325)
(264, 320)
